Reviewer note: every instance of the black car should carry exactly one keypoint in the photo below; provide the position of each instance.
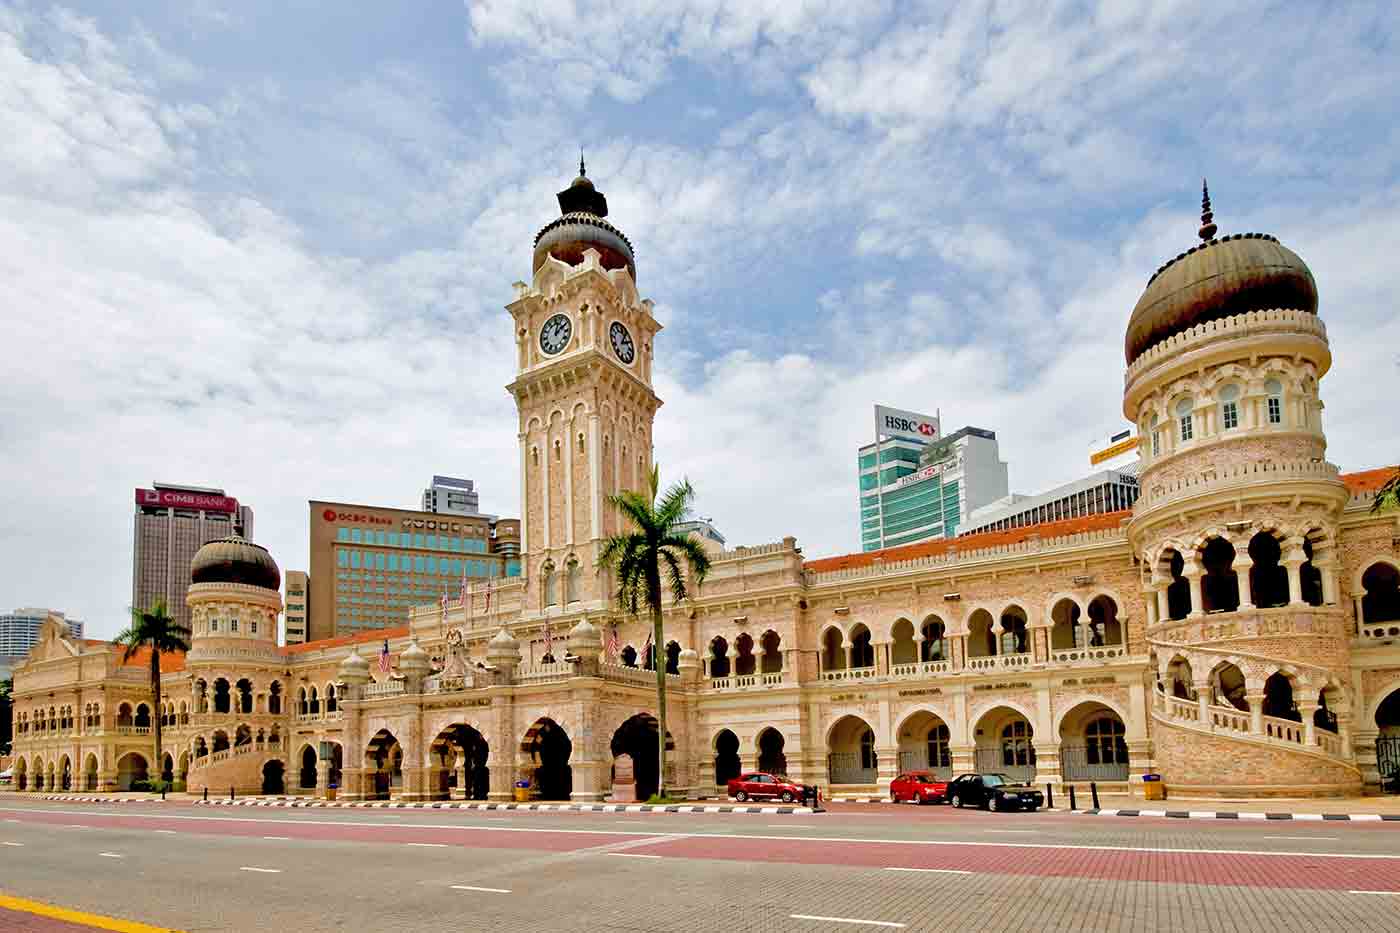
(993, 791)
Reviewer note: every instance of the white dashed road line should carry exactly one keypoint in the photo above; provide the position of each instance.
(1305, 838)
(872, 923)
(266, 871)
(17, 845)
(1387, 893)
(935, 871)
(631, 855)
(472, 887)
(166, 832)
(109, 855)
(427, 845)
(278, 838)
(1011, 831)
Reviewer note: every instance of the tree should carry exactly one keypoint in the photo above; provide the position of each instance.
(157, 630)
(7, 709)
(1388, 496)
(640, 556)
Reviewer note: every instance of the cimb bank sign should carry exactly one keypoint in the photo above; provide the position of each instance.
(896, 422)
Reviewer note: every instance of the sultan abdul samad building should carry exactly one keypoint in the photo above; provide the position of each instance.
(1238, 631)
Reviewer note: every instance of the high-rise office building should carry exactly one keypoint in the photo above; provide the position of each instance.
(172, 523)
(370, 564)
(916, 485)
(449, 495)
(19, 631)
(295, 614)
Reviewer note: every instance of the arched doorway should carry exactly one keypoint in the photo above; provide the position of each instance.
(184, 773)
(272, 777)
(384, 762)
(220, 742)
(1388, 742)
(459, 754)
(306, 774)
(1092, 744)
(726, 757)
(131, 769)
(1278, 698)
(770, 752)
(167, 768)
(851, 752)
(637, 737)
(89, 773)
(1005, 744)
(65, 774)
(1227, 687)
(924, 745)
(38, 773)
(21, 775)
(549, 748)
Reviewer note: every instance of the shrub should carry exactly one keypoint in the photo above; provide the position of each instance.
(140, 785)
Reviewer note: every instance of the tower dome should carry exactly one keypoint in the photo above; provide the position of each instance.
(235, 560)
(1216, 279)
(580, 227)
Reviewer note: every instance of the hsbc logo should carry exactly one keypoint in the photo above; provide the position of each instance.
(908, 426)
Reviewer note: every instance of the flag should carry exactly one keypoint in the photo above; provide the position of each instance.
(548, 638)
(444, 606)
(613, 642)
(648, 661)
(490, 585)
(384, 665)
(463, 595)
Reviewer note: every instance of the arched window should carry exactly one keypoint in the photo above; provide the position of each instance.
(1155, 431)
(274, 698)
(1273, 400)
(744, 662)
(551, 596)
(330, 698)
(1184, 424)
(939, 755)
(934, 647)
(1268, 579)
(1016, 748)
(862, 651)
(1229, 407)
(673, 657)
(1220, 588)
(719, 657)
(571, 581)
(1382, 600)
(772, 662)
(867, 750)
(1179, 589)
(1104, 738)
(629, 656)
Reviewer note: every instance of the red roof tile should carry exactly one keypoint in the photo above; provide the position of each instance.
(972, 542)
(357, 639)
(1368, 480)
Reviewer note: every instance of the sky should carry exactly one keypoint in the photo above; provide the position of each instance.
(267, 246)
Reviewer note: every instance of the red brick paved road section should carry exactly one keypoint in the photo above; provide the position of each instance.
(1337, 870)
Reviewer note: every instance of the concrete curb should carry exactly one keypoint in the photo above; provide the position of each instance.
(450, 805)
(536, 807)
(1246, 815)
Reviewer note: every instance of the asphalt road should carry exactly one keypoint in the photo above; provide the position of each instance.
(855, 868)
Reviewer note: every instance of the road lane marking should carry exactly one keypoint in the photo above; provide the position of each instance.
(631, 855)
(472, 887)
(1305, 838)
(1010, 830)
(166, 832)
(1389, 893)
(278, 838)
(109, 855)
(427, 845)
(936, 871)
(663, 835)
(95, 921)
(266, 871)
(17, 845)
(871, 923)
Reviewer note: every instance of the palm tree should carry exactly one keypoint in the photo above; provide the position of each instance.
(156, 629)
(638, 555)
(1388, 496)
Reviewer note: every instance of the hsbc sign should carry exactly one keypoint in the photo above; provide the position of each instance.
(895, 422)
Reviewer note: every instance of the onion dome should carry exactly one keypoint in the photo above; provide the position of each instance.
(1216, 279)
(413, 659)
(354, 669)
(585, 637)
(234, 560)
(580, 227)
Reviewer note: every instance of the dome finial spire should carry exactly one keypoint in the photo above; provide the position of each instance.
(582, 172)
(1208, 228)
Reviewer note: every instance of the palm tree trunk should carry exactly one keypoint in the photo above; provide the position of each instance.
(660, 699)
(156, 714)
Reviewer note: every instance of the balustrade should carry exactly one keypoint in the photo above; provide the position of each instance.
(920, 668)
(850, 673)
(1079, 655)
(999, 662)
(387, 688)
(1285, 730)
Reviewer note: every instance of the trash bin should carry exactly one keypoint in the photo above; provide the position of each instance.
(1153, 788)
(522, 791)
(330, 793)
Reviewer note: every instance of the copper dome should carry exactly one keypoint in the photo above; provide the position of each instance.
(1216, 279)
(234, 560)
(581, 227)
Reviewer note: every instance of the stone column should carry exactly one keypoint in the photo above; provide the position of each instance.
(1163, 605)
(964, 757)
(886, 766)
(1047, 762)
(1307, 710)
(1192, 572)
(1344, 733)
(1202, 688)
(1293, 560)
(464, 791)
(323, 777)
(850, 654)
(502, 777)
(1243, 563)
(882, 658)
(1328, 568)
(1256, 712)
(1151, 605)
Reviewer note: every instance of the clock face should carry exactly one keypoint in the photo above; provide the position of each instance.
(622, 343)
(555, 334)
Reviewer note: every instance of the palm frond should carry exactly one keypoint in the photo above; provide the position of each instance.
(675, 575)
(635, 508)
(694, 553)
(1388, 496)
(675, 505)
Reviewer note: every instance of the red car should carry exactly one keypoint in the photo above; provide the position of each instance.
(920, 787)
(758, 784)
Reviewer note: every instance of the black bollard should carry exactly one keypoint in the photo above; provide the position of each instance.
(206, 793)
(162, 791)
(1049, 796)
(230, 792)
(1072, 804)
(1094, 790)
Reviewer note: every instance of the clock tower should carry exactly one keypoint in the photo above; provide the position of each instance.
(583, 390)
